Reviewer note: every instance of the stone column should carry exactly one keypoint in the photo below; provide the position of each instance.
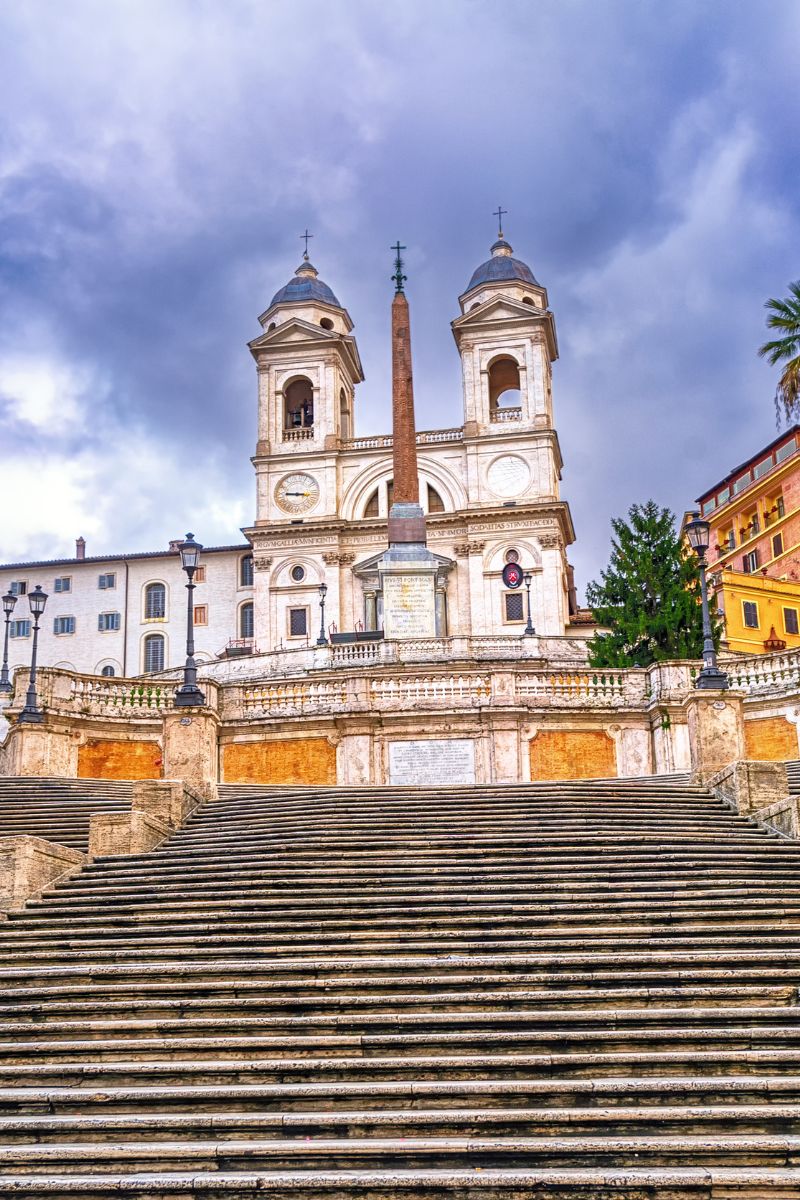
(191, 749)
(716, 732)
(372, 609)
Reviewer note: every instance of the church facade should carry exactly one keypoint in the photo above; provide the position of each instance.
(489, 487)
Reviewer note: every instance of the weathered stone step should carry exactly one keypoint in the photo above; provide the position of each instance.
(430, 1183)
(218, 999)
(406, 1122)
(646, 1093)
(418, 1066)
(726, 1150)
(251, 1047)
(737, 1021)
(208, 944)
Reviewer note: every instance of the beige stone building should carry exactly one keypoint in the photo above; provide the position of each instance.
(489, 484)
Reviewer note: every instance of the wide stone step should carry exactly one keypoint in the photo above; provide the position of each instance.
(166, 1125)
(220, 999)
(726, 1021)
(484, 1183)
(408, 1152)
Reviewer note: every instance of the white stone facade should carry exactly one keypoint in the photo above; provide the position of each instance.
(221, 594)
(489, 486)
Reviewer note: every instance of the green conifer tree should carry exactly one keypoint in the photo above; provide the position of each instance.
(649, 597)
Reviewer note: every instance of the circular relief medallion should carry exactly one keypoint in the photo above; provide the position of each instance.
(509, 476)
(297, 493)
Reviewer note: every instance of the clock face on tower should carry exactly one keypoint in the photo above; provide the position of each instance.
(297, 493)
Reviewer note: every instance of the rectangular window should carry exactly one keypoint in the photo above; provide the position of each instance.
(750, 612)
(780, 507)
(741, 483)
(784, 451)
(200, 576)
(750, 562)
(761, 468)
(724, 496)
(64, 625)
(18, 587)
(201, 614)
(753, 524)
(790, 623)
(514, 606)
(777, 545)
(298, 622)
(17, 629)
(107, 581)
(63, 583)
(106, 622)
(709, 506)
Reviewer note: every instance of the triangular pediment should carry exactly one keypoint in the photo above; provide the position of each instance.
(292, 331)
(500, 308)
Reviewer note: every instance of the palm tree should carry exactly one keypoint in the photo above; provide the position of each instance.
(785, 315)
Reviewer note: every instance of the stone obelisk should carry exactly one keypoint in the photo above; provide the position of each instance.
(408, 569)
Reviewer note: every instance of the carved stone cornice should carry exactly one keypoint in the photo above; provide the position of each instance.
(464, 549)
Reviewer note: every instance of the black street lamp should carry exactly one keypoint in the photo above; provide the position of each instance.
(31, 713)
(527, 579)
(9, 600)
(697, 531)
(323, 591)
(189, 693)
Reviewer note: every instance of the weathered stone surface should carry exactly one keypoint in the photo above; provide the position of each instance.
(751, 786)
(716, 732)
(572, 754)
(191, 750)
(134, 832)
(107, 758)
(30, 864)
(44, 749)
(296, 760)
(770, 738)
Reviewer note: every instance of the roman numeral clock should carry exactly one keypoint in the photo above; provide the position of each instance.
(297, 493)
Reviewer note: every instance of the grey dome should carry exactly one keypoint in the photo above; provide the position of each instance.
(502, 266)
(305, 286)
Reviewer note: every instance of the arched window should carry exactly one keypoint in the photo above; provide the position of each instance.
(155, 601)
(107, 670)
(344, 416)
(298, 405)
(372, 509)
(246, 571)
(504, 388)
(435, 501)
(154, 652)
(246, 624)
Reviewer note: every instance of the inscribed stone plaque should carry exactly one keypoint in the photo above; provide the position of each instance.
(433, 762)
(409, 609)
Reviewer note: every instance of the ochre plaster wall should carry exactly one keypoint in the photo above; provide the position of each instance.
(770, 739)
(106, 759)
(300, 760)
(572, 754)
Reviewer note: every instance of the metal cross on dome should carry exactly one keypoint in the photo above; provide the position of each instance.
(500, 212)
(306, 237)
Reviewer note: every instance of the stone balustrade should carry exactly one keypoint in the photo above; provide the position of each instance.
(384, 441)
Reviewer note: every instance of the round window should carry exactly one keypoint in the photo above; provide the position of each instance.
(298, 574)
(512, 556)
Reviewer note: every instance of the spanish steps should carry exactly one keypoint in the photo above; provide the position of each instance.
(578, 990)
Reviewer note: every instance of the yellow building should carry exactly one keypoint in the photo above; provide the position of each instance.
(754, 550)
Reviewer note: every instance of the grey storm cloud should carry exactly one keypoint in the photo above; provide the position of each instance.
(160, 158)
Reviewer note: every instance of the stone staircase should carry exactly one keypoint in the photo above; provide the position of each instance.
(58, 809)
(575, 990)
(793, 776)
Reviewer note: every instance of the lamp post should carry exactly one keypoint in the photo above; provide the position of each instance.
(31, 713)
(323, 591)
(189, 693)
(527, 579)
(697, 531)
(9, 600)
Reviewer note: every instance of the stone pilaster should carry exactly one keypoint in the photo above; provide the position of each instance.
(191, 749)
(716, 732)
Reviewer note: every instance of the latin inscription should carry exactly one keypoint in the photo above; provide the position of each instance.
(408, 606)
(432, 762)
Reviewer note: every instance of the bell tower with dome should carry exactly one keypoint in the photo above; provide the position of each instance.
(484, 489)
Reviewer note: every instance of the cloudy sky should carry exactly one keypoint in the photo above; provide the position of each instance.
(159, 158)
